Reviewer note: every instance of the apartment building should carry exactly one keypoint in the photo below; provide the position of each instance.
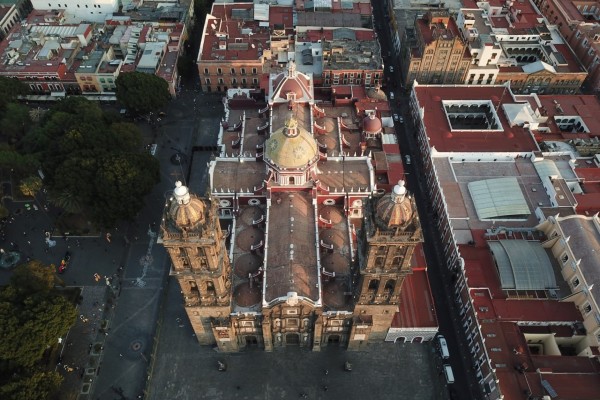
(233, 49)
(434, 51)
(55, 59)
(578, 22)
(510, 42)
(80, 10)
(12, 12)
(498, 200)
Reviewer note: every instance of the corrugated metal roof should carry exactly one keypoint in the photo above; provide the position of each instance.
(523, 265)
(499, 198)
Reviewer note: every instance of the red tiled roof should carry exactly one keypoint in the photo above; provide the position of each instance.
(281, 16)
(570, 386)
(588, 174)
(536, 310)
(513, 139)
(573, 64)
(589, 202)
(445, 26)
(416, 308)
(225, 24)
(585, 106)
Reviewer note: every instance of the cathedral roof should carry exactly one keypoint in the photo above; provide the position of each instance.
(395, 209)
(185, 211)
(376, 93)
(291, 146)
(291, 81)
(372, 124)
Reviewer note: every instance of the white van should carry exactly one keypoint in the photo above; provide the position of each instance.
(448, 373)
(443, 347)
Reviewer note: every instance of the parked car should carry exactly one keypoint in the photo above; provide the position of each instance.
(391, 95)
(392, 69)
(407, 158)
(443, 347)
(396, 117)
(64, 263)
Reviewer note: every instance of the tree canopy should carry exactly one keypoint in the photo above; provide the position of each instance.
(10, 89)
(33, 315)
(92, 164)
(15, 121)
(142, 93)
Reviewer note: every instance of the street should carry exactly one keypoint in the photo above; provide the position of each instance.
(440, 278)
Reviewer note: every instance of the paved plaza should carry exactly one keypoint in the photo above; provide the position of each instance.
(182, 369)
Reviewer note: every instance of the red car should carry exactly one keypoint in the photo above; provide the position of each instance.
(64, 263)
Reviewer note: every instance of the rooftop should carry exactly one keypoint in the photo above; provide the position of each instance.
(291, 260)
(231, 33)
(443, 138)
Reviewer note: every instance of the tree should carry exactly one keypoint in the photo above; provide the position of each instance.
(33, 315)
(142, 93)
(21, 164)
(80, 148)
(33, 277)
(120, 181)
(11, 89)
(15, 121)
(39, 386)
(30, 185)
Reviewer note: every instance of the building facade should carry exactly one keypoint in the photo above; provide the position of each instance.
(434, 51)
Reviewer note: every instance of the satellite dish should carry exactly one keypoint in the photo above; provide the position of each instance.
(253, 45)
(213, 26)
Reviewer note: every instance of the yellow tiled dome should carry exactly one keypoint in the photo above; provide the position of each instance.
(291, 146)
(186, 212)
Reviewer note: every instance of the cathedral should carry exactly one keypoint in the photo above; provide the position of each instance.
(305, 237)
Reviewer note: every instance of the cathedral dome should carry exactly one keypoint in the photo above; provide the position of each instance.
(375, 93)
(395, 208)
(372, 124)
(291, 146)
(186, 211)
(291, 86)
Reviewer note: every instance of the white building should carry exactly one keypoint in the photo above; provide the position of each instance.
(83, 10)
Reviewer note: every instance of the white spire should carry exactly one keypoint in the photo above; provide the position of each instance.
(399, 192)
(182, 194)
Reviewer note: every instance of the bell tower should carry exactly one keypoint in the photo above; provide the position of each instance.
(387, 241)
(193, 238)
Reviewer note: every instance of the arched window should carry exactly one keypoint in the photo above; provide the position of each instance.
(373, 284)
(210, 286)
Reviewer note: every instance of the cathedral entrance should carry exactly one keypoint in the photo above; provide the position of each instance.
(333, 339)
(251, 341)
(292, 339)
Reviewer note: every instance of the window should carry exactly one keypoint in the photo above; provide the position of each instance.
(564, 258)
(232, 71)
(219, 71)
(253, 71)
(206, 71)
(243, 71)
(587, 308)
(575, 282)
